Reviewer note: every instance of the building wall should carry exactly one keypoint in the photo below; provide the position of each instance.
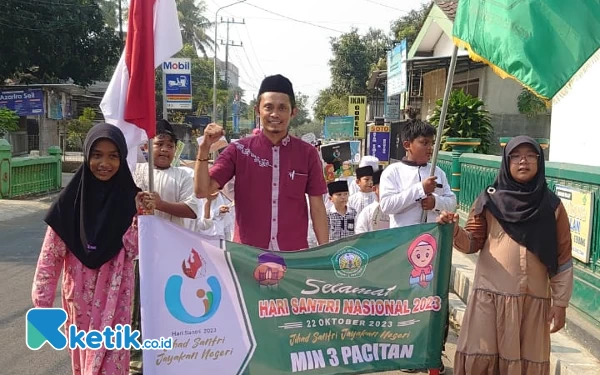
(500, 95)
(509, 125)
(233, 74)
(375, 108)
(48, 135)
(575, 126)
(443, 47)
(500, 98)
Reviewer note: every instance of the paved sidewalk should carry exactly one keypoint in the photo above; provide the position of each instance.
(11, 209)
(567, 357)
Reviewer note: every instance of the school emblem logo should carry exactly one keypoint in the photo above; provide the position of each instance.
(349, 262)
(207, 290)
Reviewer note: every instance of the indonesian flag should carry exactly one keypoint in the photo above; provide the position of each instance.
(129, 103)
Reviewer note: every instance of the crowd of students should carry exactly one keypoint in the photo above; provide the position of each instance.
(267, 189)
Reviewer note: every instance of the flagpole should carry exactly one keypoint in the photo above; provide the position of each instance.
(151, 165)
(442, 123)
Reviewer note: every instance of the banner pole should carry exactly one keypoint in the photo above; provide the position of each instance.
(440, 129)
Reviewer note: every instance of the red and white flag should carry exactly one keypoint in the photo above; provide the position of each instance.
(153, 36)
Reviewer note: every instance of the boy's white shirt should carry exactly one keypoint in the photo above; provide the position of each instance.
(365, 220)
(222, 223)
(218, 225)
(360, 200)
(311, 236)
(172, 184)
(401, 192)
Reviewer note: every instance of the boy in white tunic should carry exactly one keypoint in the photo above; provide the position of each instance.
(173, 199)
(365, 196)
(217, 213)
(366, 160)
(173, 195)
(372, 217)
(406, 189)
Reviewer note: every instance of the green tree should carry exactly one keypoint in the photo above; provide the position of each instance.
(408, 26)
(530, 105)
(315, 127)
(251, 112)
(47, 41)
(77, 129)
(303, 115)
(193, 24)
(376, 43)
(329, 103)
(350, 64)
(354, 58)
(9, 121)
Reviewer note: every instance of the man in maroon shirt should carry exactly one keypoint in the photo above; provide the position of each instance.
(273, 172)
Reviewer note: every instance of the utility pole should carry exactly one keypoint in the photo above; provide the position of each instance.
(228, 44)
(214, 111)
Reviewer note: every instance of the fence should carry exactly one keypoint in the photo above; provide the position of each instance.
(477, 172)
(22, 176)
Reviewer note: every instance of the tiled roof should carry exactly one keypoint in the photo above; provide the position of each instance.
(448, 7)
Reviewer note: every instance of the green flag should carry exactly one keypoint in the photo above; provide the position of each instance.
(543, 44)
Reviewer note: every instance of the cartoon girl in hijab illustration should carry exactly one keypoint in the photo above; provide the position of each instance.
(421, 253)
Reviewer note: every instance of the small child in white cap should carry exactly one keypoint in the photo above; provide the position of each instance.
(366, 160)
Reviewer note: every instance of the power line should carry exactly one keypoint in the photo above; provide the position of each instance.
(294, 19)
(254, 72)
(313, 21)
(386, 6)
(246, 83)
(243, 67)
(254, 50)
(261, 75)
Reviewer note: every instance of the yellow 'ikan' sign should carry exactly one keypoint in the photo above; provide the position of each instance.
(357, 108)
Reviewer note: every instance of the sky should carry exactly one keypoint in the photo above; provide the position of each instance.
(300, 50)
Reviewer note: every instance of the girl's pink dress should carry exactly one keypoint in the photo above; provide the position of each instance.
(93, 299)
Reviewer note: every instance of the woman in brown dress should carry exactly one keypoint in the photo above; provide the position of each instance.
(524, 275)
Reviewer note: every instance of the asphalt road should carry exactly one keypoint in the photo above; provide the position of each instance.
(20, 243)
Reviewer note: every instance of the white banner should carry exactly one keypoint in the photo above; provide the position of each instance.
(189, 293)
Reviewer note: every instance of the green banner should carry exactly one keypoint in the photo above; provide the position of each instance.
(374, 302)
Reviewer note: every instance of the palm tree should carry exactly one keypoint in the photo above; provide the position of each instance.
(193, 24)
